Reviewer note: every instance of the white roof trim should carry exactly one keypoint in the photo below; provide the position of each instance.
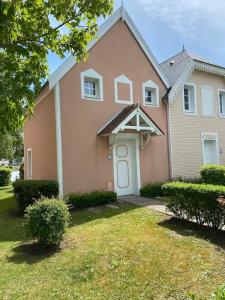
(200, 66)
(137, 112)
(120, 13)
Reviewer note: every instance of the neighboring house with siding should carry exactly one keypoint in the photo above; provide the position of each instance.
(196, 113)
(102, 123)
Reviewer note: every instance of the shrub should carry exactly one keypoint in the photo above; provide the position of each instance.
(81, 200)
(213, 174)
(188, 179)
(47, 220)
(29, 191)
(196, 202)
(5, 176)
(21, 171)
(152, 190)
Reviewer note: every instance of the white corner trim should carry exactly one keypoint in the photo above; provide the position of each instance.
(124, 80)
(29, 165)
(151, 85)
(92, 74)
(223, 91)
(211, 137)
(170, 141)
(103, 29)
(195, 101)
(213, 105)
(58, 138)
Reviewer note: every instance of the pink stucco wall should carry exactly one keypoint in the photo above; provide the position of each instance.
(85, 155)
(40, 136)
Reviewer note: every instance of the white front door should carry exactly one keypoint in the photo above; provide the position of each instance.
(210, 152)
(123, 168)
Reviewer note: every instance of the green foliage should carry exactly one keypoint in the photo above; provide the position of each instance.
(152, 190)
(81, 200)
(47, 220)
(11, 146)
(28, 191)
(196, 202)
(213, 174)
(29, 29)
(5, 176)
(188, 179)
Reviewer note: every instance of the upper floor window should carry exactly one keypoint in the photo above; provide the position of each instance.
(91, 85)
(207, 101)
(189, 99)
(123, 87)
(222, 102)
(150, 94)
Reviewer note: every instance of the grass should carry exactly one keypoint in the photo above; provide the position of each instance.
(125, 253)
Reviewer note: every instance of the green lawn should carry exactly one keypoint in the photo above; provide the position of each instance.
(128, 253)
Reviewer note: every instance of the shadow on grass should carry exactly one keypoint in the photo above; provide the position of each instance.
(83, 216)
(32, 253)
(187, 228)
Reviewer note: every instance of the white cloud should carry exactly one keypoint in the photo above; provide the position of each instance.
(192, 19)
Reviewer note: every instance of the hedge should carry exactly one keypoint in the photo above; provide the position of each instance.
(196, 202)
(213, 174)
(5, 176)
(152, 190)
(28, 191)
(82, 200)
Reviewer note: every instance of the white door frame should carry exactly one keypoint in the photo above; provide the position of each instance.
(133, 137)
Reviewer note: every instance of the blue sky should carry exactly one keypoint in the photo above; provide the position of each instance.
(168, 24)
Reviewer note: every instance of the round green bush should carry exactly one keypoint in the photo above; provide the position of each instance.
(47, 221)
(5, 176)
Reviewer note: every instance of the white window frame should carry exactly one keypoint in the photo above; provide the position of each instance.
(151, 86)
(92, 75)
(210, 137)
(189, 112)
(124, 80)
(219, 91)
(213, 105)
(29, 165)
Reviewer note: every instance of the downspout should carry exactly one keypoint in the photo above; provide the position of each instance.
(58, 138)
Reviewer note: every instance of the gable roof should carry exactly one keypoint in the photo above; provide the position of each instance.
(120, 120)
(103, 29)
(179, 67)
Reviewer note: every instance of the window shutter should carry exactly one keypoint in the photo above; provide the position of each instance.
(207, 101)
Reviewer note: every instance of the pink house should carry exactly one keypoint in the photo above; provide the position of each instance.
(102, 124)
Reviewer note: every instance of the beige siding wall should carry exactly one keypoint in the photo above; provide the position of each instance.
(186, 129)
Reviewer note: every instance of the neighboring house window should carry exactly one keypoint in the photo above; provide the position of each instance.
(189, 100)
(150, 93)
(91, 85)
(210, 148)
(29, 163)
(123, 88)
(222, 102)
(207, 101)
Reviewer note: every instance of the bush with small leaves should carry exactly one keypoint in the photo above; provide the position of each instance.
(47, 220)
(5, 176)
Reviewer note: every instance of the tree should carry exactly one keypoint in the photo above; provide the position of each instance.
(29, 29)
(11, 146)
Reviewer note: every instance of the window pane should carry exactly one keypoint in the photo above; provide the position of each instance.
(148, 96)
(222, 103)
(89, 88)
(186, 100)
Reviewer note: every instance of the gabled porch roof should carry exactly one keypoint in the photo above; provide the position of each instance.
(132, 117)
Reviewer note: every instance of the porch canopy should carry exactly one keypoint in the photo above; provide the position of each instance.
(132, 118)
